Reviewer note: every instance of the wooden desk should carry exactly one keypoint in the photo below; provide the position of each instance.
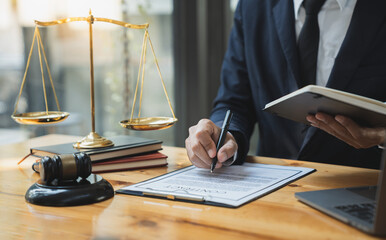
(276, 216)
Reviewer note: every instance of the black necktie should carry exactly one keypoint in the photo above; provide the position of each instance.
(308, 42)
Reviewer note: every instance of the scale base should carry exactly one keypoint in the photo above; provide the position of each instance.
(93, 140)
(70, 193)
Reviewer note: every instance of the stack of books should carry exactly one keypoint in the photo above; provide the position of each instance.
(128, 152)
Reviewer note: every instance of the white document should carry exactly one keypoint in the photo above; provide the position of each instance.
(227, 186)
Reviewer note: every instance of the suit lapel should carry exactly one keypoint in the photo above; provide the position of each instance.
(364, 25)
(284, 19)
(363, 28)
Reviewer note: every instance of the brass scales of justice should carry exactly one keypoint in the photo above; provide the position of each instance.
(93, 139)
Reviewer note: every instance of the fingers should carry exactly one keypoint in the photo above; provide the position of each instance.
(367, 137)
(348, 130)
(331, 126)
(196, 161)
(227, 151)
(204, 134)
(200, 144)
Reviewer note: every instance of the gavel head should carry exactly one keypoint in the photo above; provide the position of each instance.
(65, 167)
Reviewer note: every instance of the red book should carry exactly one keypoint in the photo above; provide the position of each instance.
(156, 159)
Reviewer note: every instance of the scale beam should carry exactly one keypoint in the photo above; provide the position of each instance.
(93, 139)
(95, 19)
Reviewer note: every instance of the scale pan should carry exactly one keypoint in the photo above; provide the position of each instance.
(150, 123)
(40, 117)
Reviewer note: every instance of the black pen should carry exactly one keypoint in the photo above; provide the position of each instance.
(221, 139)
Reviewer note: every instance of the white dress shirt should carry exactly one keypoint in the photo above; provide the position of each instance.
(334, 19)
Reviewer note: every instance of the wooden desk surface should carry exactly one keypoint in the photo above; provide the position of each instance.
(276, 216)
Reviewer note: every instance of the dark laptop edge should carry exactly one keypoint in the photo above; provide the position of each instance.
(379, 226)
(380, 214)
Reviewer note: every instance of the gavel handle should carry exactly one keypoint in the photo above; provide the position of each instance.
(35, 166)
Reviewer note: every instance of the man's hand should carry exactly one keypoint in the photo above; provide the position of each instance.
(201, 144)
(348, 131)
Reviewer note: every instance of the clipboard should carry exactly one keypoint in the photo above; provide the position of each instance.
(229, 187)
(175, 197)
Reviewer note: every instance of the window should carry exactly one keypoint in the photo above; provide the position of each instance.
(116, 60)
(190, 39)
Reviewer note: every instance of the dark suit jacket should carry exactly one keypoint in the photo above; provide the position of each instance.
(261, 65)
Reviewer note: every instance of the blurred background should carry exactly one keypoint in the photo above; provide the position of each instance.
(189, 38)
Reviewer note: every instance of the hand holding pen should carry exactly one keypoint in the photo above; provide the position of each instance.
(224, 131)
(202, 141)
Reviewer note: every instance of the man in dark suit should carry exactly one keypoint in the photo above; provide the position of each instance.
(263, 62)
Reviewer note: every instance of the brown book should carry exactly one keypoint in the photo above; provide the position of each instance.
(123, 146)
(133, 162)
